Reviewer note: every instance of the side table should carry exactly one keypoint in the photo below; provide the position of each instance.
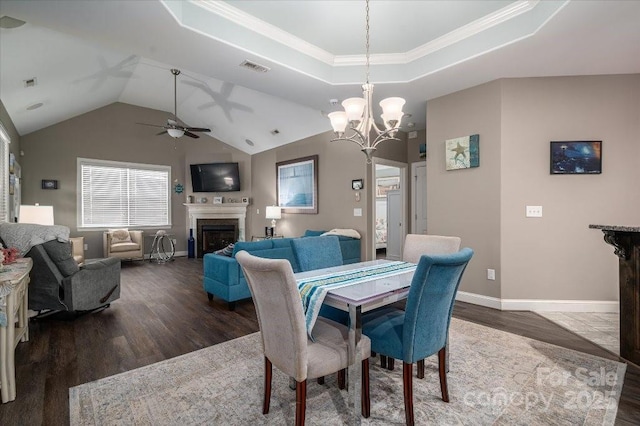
(14, 298)
(162, 248)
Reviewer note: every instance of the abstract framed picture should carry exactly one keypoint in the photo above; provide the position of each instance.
(297, 185)
(576, 157)
(462, 153)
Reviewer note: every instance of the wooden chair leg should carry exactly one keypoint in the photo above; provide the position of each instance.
(301, 402)
(421, 369)
(407, 380)
(383, 361)
(391, 364)
(321, 380)
(366, 400)
(342, 374)
(442, 369)
(267, 385)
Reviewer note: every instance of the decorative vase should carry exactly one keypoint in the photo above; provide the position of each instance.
(191, 245)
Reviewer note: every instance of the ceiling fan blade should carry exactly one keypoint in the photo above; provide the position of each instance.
(191, 135)
(152, 125)
(161, 133)
(197, 129)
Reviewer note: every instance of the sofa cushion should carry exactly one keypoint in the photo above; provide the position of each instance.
(312, 233)
(60, 253)
(127, 246)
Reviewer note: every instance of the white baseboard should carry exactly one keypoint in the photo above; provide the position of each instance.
(539, 304)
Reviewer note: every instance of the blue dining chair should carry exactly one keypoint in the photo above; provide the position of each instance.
(421, 330)
(317, 253)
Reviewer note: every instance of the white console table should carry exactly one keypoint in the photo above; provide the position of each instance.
(14, 298)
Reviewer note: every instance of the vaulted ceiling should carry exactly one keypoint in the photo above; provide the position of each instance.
(87, 54)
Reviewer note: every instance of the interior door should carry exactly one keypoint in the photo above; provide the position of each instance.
(419, 202)
(395, 225)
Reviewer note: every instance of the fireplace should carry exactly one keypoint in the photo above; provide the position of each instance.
(220, 214)
(215, 234)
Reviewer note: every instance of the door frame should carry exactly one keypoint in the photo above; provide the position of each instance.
(414, 166)
(372, 196)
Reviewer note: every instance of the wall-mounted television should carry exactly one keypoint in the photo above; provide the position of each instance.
(576, 157)
(215, 177)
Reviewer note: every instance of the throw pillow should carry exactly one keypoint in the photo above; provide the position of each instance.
(120, 236)
(227, 251)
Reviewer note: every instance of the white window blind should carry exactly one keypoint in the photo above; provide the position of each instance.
(115, 194)
(4, 174)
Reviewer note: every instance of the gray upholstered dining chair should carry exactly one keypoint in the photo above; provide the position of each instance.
(421, 330)
(415, 245)
(284, 334)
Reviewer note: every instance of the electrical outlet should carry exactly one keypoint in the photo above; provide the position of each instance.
(86, 246)
(257, 211)
(491, 274)
(357, 212)
(174, 241)
(534, 211)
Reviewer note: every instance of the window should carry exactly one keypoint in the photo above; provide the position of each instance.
(4, 174)
(115, 194)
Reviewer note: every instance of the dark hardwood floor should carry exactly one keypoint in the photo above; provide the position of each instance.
(163, 312)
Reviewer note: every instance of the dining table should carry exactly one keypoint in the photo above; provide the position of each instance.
(369, 292)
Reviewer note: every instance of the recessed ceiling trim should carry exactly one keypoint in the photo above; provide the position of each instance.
(476, 27)
(265, 29)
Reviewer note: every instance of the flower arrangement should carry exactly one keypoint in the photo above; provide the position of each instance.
(8, 255)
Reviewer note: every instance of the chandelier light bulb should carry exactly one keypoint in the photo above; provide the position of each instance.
(354, 108)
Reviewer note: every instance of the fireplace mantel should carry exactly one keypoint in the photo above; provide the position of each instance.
(197, 211)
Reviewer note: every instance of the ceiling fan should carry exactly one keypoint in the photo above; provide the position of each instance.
(176, 128)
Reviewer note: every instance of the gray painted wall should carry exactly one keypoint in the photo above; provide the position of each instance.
(111, 133)
(555, 257)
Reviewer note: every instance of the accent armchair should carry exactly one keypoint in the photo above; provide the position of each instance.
(284, 335)
(422, 329)
(123, 244)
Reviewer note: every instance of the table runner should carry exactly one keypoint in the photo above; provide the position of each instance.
(9, 275)
(313, 290)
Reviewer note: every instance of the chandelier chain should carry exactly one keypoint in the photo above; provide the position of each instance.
(367, 43)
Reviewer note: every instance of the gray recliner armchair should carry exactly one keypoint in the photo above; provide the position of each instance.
(59, 284)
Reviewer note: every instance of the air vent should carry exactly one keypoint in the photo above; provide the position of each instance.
(30, 82)
(34, 106)
(254, 67)
(275, 132)
(249, 142)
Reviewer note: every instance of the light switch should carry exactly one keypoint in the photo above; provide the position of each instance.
(357, 212)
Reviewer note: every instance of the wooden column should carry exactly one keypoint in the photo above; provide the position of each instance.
(626, 241)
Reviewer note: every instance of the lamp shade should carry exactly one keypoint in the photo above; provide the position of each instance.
(338, 121)
(41, 215)
(273, 212)
(354, 108)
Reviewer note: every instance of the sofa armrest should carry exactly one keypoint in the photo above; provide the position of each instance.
(95, 284)
(222, 268)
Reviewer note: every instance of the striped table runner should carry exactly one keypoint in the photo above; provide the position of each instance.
(313, 290)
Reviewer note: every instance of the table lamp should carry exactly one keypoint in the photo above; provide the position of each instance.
(273, 213)
(40, 215)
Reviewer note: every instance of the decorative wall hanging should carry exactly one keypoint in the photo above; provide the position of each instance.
(357, 184)
(49, 184)
(576, 157)
(297, 185)
(462, 153)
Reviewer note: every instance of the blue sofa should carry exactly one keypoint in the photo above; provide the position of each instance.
(224, 279)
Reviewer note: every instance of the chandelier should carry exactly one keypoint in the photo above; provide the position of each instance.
(358, 114)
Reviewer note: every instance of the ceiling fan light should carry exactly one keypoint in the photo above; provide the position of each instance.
(175, 133)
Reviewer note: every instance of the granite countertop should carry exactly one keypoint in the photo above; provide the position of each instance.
(618, 228)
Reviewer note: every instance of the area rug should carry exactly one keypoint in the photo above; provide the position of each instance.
(495, 378)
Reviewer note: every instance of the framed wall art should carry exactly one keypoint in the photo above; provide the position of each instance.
(386, 184)
(576, 157)
(297, 185)
(462, 153)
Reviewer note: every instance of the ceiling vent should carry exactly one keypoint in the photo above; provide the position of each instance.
(275, 132)
(254, 67)
(30, 82)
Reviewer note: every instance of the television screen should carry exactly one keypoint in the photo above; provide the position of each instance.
(215, 177)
